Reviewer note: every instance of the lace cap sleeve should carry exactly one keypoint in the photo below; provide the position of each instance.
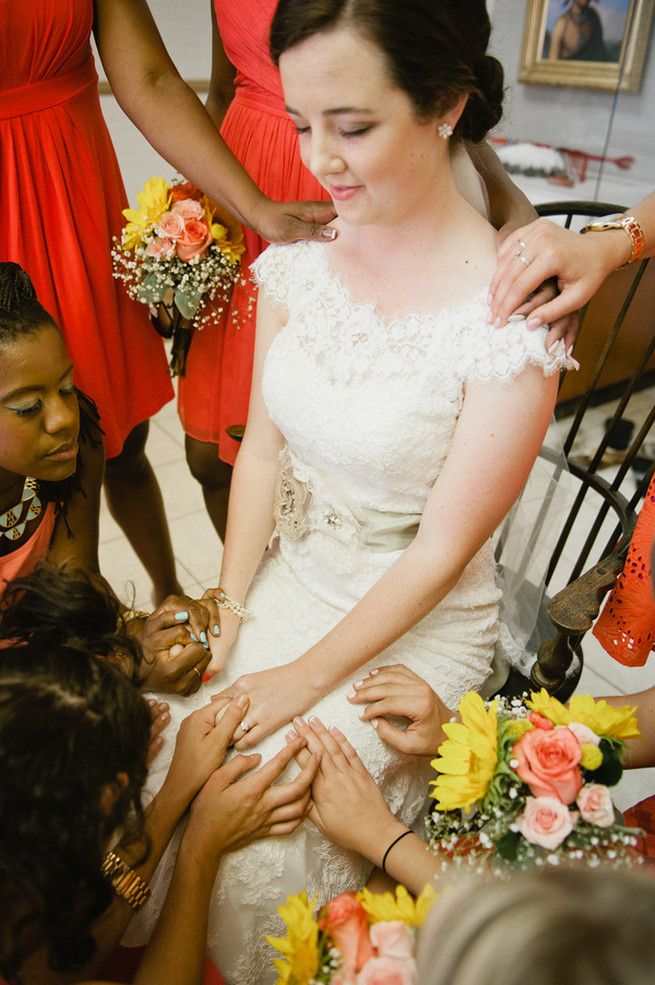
(499, 354)
(275, 272)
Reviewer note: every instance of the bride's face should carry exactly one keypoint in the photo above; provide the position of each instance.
(359, 134)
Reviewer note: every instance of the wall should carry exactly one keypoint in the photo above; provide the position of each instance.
(576, 118)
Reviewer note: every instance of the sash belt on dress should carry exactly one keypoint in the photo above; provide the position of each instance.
(42, 95)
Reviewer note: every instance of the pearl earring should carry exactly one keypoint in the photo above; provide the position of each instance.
(445, 130)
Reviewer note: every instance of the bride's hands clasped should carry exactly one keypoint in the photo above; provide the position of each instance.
(276, 696)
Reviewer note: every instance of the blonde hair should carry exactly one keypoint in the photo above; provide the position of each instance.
(551, 927)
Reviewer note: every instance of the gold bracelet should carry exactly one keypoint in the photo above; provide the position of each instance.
(630, 227)
(131, 614)
(126, 883)
(224, 601)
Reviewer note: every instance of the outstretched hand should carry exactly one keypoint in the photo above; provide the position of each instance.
(288, 222)
(398, 691)
(233, 809)
(347, 805)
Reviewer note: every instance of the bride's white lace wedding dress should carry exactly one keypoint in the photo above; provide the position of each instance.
(368, 410)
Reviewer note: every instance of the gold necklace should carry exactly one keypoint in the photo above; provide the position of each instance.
(13, 522)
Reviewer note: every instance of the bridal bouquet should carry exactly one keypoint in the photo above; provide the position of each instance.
(180, 250)
(355, 939)
(524, 781)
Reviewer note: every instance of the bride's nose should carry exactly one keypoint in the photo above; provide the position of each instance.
(324, 157)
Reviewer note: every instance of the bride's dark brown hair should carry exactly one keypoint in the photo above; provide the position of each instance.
(435, 49)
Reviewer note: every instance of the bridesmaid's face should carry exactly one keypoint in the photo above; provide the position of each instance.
(39, 412)
(359, 134)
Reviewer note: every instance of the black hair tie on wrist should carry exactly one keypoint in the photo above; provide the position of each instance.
(394, 842)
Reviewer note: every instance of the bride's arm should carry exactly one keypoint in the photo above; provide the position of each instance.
(496, 441)
(252, 491)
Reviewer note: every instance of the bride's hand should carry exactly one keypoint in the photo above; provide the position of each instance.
(224, 627)
(277, 696)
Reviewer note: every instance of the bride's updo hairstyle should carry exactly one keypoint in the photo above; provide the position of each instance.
(435, 49)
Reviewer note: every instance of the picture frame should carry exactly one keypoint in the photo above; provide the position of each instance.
(611, 38)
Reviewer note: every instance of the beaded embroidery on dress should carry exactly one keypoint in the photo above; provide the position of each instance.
(368, 410)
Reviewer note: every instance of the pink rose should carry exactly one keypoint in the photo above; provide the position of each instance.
(188, 208)
(540, 721)
(548, 763)
(345, 923)
(392, 939)
(162, 249)
(388, 971)
(596, 805)
(546, 821)
(170, 225)
(194, 240)
(187, 190)
(584, 734)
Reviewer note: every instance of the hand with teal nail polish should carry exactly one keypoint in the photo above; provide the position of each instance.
(175, 644)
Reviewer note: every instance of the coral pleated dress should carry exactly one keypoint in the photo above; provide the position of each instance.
(61, 198)
(215, 391)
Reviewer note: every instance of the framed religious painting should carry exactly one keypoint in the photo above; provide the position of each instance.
(588, 44)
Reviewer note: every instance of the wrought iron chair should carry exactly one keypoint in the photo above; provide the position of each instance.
(616, 349)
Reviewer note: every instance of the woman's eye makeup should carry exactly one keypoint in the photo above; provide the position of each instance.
(26, 411)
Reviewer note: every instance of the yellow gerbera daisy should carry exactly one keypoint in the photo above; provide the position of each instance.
(601, 718)
(300, 946)
(384, 906)
(468, 757)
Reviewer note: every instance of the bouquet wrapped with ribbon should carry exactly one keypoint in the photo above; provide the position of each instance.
(178, 252)
(356, 939)
(525, 781)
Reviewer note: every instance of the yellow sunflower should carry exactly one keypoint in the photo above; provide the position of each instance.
(300, 946)
(468, 757)
(601, 718)
(153, 202)
(384, 906)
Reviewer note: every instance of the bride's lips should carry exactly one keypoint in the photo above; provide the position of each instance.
(341, 193)
(65, 452)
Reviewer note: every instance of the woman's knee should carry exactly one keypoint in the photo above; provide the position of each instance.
(205, 465)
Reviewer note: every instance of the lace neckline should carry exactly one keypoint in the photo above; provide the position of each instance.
(343, 294)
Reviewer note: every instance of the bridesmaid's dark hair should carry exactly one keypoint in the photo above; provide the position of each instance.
(21, 312)
(436, 50)
(74, 738)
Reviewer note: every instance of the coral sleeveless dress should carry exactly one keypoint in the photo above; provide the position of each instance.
(61, 198)
(215, 391)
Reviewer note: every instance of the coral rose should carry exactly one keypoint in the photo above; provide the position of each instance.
(546, 821)
(392, 939)
(194, 240)
(162, 249)
(188, 208)
(548, 762)
(388, 971)
(540, 721)
(187, 190)
(596, 805)
(170, 226)
(346, 925)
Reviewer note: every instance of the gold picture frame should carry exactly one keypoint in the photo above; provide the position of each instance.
(614, 59)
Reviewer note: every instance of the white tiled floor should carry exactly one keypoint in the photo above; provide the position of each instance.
(196, 545)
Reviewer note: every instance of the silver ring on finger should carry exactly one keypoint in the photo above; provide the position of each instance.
(245, 727)
(521, 243)
(519, 256)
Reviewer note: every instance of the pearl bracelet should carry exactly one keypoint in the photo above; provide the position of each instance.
(224, 601)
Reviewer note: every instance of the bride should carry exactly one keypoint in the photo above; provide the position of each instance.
(390, 426)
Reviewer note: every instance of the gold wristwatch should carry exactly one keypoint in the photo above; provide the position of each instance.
(630, 227)
(126, 883)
